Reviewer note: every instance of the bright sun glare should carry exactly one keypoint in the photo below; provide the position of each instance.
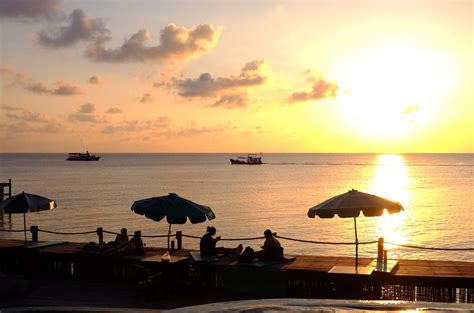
(387, 88)
(392, 181)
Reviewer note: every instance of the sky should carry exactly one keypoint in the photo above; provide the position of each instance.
(341, 76)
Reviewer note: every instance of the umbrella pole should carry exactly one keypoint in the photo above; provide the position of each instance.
(24, 224)
(357, 242)
(169, 235)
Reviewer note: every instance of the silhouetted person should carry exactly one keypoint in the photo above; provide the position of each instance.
(122, 238)
(207, 244)
(137, 243)
(271, 249)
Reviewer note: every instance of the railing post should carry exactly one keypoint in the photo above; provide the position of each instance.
(380, 249)
(34, 233)
(179, 239)
(100, 233)
(172, 245)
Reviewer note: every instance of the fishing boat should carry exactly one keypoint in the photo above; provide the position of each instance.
(250, 159)
(82, 157)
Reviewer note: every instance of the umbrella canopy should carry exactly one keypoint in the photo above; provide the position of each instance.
(26, 202)
(177, 210)
(350, 204)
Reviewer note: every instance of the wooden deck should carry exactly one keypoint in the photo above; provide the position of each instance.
(307, 276)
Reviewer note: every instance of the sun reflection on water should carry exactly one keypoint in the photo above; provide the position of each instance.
(392, 181)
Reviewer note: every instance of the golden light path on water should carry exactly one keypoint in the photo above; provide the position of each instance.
(391, 181)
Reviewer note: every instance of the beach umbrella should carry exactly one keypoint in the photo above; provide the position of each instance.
(177, 210)
(26, 202)
(350, 204)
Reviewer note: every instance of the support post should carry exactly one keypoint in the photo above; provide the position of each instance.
(34, 233)
(380, 249)
(172, 246)
(357, 244)
(179, 240)
(24, 225)
(100, 233)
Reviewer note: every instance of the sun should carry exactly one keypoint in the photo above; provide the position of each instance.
(386, 89)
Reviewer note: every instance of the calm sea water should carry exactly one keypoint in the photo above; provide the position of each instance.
(436, 191)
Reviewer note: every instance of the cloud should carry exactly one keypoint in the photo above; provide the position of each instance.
(207, 86)
(113, 110)
(80, 27)
(175, 43)
(58, 89)
(230, 90)
(321, 89)
(29, 9)
(232, 101)
(193, 130)
(86, 113)
(146, 98)
(5, 69)
(136, 125)
(20, 120)
(95, 80)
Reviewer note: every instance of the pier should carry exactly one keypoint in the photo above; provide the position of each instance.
(308, 276)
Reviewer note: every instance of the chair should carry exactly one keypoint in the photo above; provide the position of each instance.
(147, 284)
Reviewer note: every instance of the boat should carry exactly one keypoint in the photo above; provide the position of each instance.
(250, 159)
(82, 157)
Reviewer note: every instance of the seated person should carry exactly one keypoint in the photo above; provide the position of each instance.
(207, 244)
(122, 238)
(271, 249)
(137, 243)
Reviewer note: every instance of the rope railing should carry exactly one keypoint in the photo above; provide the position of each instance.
(66, 233)
(226, 239)
(250, 239)
(326, 242)
(12, 230)
(429, 248)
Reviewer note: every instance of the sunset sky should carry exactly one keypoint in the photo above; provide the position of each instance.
(236, 76)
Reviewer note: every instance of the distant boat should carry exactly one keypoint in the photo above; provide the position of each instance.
(82, 157)
(250, 159)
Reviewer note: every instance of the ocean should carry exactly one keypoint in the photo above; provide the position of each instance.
(436, 191)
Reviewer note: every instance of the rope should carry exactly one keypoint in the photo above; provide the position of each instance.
(158, 236)
(64, 233)
(327, 242)
(145, 236)
(429, 248)
(226, 239)
(12, 230)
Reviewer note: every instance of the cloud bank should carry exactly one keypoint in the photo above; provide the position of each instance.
(175, 43)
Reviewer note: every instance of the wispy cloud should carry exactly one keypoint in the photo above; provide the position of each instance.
(146, 98)
(21, 120)
(79, 28)
(29, 9)
(175, 43)
(137, 125)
